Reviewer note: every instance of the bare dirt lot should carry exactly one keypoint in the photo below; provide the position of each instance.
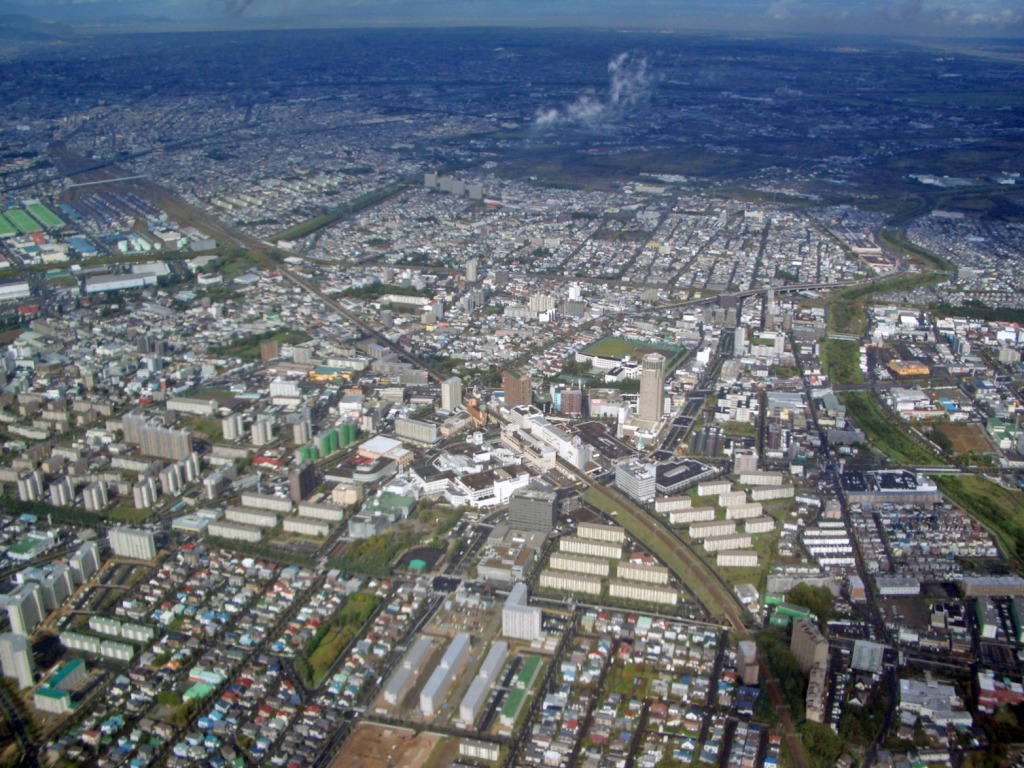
(966, 438)
(374, 746)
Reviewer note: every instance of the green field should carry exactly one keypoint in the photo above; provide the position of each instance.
(884, 432)
(615, 347)
(1000, 510)
(25, 223)
(45, 216)
(841, 361)
(6, 228)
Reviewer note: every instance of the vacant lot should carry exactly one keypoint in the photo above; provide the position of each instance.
(966, 438)
(373, 746)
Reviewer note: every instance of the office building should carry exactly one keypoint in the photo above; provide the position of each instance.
(302, 481)
(132, 543)
(16, 658)
(517, 388)
(518, 620)
(637, 479)
(451, 393)
(533, 508)
(808, 645)
(651, 406)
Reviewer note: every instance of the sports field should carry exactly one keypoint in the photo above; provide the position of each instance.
(6, 228)
(45, 216)
(25, 223)
(613, 346)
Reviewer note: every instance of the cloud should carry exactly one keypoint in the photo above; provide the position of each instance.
(629, 84)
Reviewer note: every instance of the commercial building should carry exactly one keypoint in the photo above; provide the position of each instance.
(518, 620)
(645, 593)
(438, 684)
(636, 478)
(517, 388)
(16, 659)
(651, 405)
(416, 431)
(808, 645)
(451, 393)
(533, 508)
(132, 543)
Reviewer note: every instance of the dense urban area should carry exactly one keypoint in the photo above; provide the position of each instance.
(477, 398)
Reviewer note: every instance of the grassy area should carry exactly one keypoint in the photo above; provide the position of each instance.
(127, 513)
(845, 308)
(360, 203)
(884, 432)
(1000, 510)
(613, 346)
(895, 239)
(699, 579)
(209, 428)
(630, 680)
(739, 429)
(248, 347)
(327, 645)
(841, 361)
(260, 551)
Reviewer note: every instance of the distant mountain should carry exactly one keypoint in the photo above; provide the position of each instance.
(24, 28)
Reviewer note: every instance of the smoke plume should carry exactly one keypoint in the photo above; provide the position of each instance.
(629, 85)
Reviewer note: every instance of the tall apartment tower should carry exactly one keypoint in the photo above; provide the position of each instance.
(518, 388)
(16, 658)
(808, 645)
(652, 387)
(132, 543)
(302, 481)
(472, 267)
(451, 393)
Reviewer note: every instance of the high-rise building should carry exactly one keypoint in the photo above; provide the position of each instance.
(744, 460)
(302, 432)
(231, 427)
(262, 431)
(16, 659)
(270, 349)
(132, 543)
(651, 406)
(636, 478)
(164, 443)
(451, 393)
(62, 492)
(85, 562)
(808, 645)
(472, 265)
(517, 387)
(302, 481)
(24, 608)
(746, 662)
(533, 508)
(571, 402)
(518, 620)
(144, 493)
(94, 496)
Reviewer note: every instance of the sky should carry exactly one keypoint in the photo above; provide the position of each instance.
(895, 17)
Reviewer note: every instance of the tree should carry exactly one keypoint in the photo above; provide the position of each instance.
(823, 744)
(817, 599)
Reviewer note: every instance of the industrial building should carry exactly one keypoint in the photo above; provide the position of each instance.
(437, 686)
(408, 670)
(476, 696)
